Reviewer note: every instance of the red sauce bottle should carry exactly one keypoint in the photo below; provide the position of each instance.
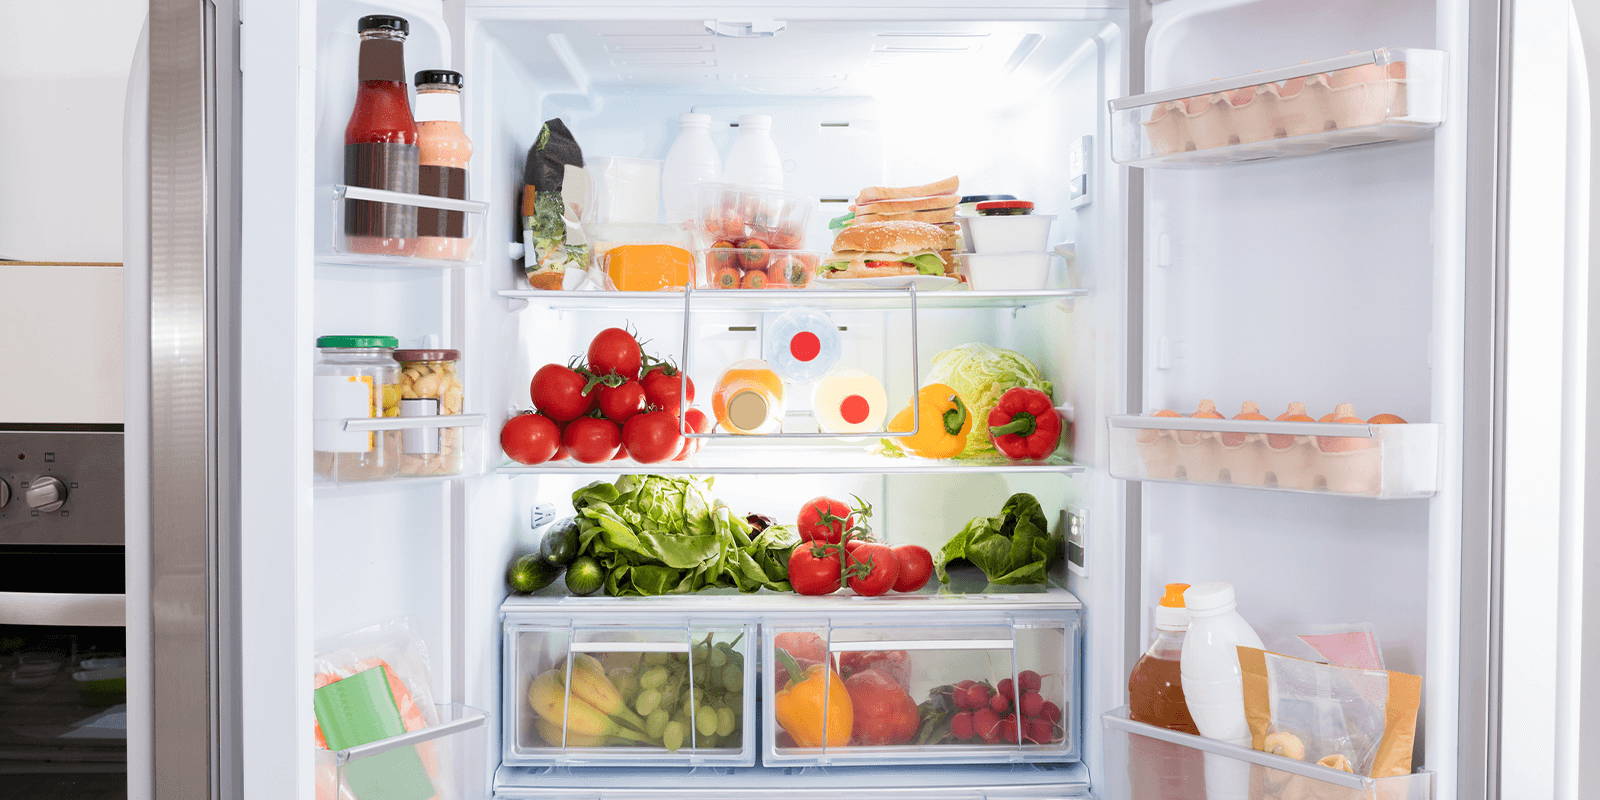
(380, 142)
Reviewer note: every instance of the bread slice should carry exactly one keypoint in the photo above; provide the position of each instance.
(909, 204)
(935, 216)
(876, 193)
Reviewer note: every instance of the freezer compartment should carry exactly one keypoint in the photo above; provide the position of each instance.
(1383, 95)
(920, 690)
(1383, 461)
(347, 203)
(443, 761)
(585, 691)
(1144, 761)
(416, 448)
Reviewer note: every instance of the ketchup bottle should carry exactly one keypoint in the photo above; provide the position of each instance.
(380, 143)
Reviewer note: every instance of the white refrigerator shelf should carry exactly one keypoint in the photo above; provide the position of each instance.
(1368, 97)
(730, 456)
(1382, 461)
(783, 299)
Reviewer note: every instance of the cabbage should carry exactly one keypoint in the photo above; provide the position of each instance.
(980, 374)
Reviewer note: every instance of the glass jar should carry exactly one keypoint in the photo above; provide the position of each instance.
(355, 377)
(429, 387)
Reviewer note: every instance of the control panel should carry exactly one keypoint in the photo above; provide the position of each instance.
(61, 486)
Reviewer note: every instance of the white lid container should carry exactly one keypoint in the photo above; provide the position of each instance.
(1008, 234)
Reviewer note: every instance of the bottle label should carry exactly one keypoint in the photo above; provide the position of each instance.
(448, 182)
(381, 165)
(438, 107)
(336, 398)
(420, 441)
(382, 60)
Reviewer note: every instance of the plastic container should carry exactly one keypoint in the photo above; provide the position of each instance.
(802, 345)
(1007, 272)
(736, 215)
(692, 160)
(759, 268)
(1155, 687)
(698, 679)
(625, 189)
(429, 387)
(647, 267)
(748, 398)
(753, 160)
(1028, 233)
(442, 761)
(355, 377)
(849, 401)
(1212, 684)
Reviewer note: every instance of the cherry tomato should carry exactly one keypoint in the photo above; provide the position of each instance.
(814, 568)
(663, 388)
(652, 436)
(824, 519)
(695, 420)
(557, 391)
(530, 438)
(615, 350)
(916, 565)
(872, 569)
(592, 440)
(619, 403)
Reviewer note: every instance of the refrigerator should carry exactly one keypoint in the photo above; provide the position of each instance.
(1415, 248)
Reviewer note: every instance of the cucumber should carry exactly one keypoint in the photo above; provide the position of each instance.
(529, 574)
(560, 544)
(585, 576)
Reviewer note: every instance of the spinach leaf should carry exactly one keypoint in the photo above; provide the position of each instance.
(1013, 548)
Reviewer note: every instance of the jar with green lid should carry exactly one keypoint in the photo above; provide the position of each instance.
(355, 377)
(429, 387)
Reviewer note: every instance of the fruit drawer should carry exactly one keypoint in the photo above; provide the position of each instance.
(995, 689)
(1383, 95)
(582, 692)
(442, 761)
(1385, 461)
(1143, 761)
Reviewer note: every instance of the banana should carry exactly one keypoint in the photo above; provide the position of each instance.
(550, 700)
(551, 734)
(590, 683)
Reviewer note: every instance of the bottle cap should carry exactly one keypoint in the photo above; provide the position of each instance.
(691, 118)
(1211, 596)
(1171, 615)
(383, 22)
(444, 76)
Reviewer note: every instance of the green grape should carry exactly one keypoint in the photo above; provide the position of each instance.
(672, 735)
(649, 700)
(653, 659)
(626, 682)
(718, 657)
(727, 721)
(653, 678)
(705, 720)
(733, 678)
(656, 722)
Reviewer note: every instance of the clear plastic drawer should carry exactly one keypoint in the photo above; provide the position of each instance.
(443, 761)
(581, 692)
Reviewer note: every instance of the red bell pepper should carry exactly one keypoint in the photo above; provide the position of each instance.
(1024, 425)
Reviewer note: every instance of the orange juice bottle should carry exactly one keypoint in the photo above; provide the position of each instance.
(748, 398)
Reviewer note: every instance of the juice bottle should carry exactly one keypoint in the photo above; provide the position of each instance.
(849, 401)
(380, 142)
(443, 153)
(1161, 770)
(748, 398)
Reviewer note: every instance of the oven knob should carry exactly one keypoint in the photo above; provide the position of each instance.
(5, 494)
(46, 494)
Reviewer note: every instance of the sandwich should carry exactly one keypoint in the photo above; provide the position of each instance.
(878, 249)
(933, 203)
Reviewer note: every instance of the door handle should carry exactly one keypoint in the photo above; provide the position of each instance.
(50, 608)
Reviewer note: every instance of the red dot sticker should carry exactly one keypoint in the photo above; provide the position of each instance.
(805, 346)
(854, 409)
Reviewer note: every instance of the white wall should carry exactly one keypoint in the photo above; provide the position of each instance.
(63, 76)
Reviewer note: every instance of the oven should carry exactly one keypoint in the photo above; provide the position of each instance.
(63, 668)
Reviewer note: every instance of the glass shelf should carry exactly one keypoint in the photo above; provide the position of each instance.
(779, 299)
(767, 457)
(966, 593)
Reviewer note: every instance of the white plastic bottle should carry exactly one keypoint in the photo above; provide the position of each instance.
(1213, 685)
(754, 159)
(693, 159)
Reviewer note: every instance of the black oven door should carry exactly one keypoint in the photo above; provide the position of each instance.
(63, 673)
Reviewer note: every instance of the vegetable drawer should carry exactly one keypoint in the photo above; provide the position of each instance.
(908, 690)
(1143, 761)
(442, 761)
(580, 691)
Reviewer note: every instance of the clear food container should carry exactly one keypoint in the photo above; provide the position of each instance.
(740, 216)
(1017, 233)
(759, 268)
(1389, 94)
(356, 377)
(582, 692)
(642, 257)
(429, 387)
(899, 691)
(1011, 272)
(443, 761)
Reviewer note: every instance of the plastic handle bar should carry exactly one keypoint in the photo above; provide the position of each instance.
(473, 719)
(922, 644)
(406, 199)
(408, 423)
(629, 647)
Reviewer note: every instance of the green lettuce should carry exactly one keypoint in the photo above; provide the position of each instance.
(660, 534)
(1013, 548)
(927, 263)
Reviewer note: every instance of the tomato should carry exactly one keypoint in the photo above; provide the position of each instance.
(695, 420)
(557, 391)
(615, 350)
(561, 452)
(620, 402)
(530, 438)
(916, 565)
(622, 452)
(592, 440)
(824, 519)
(857, 541)
(804, 647)
(663, 388)
(896, 664)
(872, 569)
(814, 568)
(652, 436)
(885, 264)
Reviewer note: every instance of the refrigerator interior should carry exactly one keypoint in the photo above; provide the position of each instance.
(1273, 266)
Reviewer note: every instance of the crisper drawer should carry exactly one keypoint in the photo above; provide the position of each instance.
(1143, 762)
(443, 761)
(993, 689)
(581, 691)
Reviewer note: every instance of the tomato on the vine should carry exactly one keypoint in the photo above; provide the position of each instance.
(592, 440)
(664, 387)
(814, 568)
(619, 402)
(557, 392)
(615, 350)
(824, 519)
(696, 421)
(530, 438)
(871, 569)
(916, 566)
(652, 436)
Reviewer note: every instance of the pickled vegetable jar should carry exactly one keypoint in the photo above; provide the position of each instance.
(356, 377)
(429, 387)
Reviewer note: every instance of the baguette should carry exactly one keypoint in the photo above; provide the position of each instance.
(875, 193)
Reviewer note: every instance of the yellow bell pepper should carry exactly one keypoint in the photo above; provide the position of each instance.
(800, 704)
(944, 420)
